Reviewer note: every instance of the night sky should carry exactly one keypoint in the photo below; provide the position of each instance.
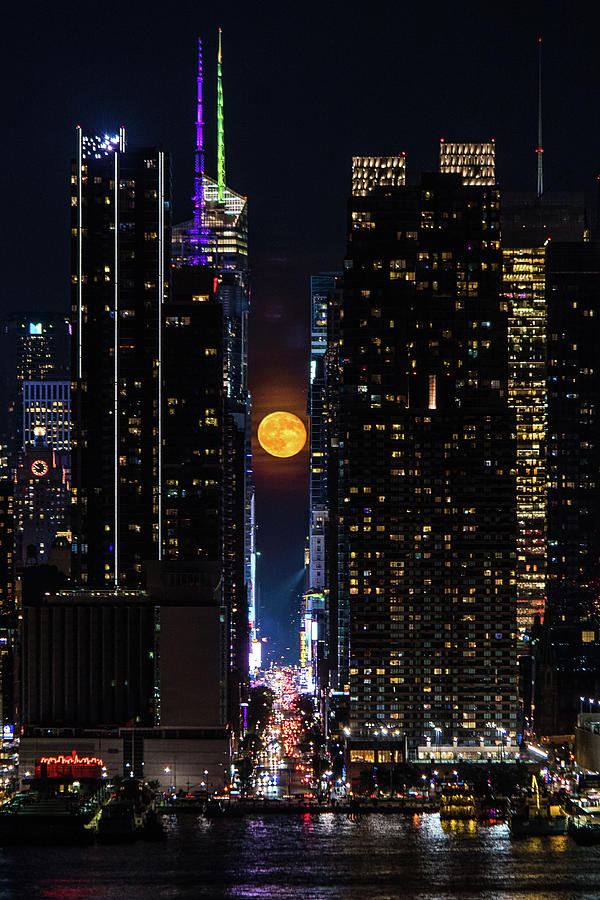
(306, 86)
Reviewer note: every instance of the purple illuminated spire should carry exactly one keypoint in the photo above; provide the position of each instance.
(199, 232)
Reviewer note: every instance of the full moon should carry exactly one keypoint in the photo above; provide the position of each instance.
(282, 434)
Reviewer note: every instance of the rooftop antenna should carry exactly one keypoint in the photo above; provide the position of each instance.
(540, 149)
(199, 232)
(220, 128)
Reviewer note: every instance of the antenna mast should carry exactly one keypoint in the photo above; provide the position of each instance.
(540, 150)
(199, 232)
(220, 128)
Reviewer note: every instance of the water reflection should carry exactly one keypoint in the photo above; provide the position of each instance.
(320, 855)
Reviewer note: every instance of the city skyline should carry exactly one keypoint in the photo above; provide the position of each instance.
(384, 95)
(300, 451)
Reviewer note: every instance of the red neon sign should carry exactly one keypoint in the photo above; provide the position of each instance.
(73, 760)
(73, 766)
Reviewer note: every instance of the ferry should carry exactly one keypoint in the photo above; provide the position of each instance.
(61, 803)
(537, 815)
(457, 803)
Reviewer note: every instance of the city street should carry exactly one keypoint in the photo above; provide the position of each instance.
(280, 770)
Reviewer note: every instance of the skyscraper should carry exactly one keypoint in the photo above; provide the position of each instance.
(120, 253)
(158, 555)
(427, 525)
(220, 269)
(224, 216)
(319, 650)
(567, 652)
(523, 275)
(321, 287)
(34, 346)
(573, 273)
(531, 224)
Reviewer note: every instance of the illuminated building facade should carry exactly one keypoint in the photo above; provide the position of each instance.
(221, 272)
(523, 277)
(529, 224)
(425, 499)
(474, 161)
(369, 172)
(34, 346)
(313, 641)
(47, 413)
(120, 254)
(227, 223)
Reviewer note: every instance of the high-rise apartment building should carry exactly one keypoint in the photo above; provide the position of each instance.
(425, 497)
(120, 268)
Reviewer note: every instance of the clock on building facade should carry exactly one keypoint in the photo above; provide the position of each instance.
(39, 468)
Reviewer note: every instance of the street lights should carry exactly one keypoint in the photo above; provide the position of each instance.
(168, 772)
(438, 731)
(502, 732)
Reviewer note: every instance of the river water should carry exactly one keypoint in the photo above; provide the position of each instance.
(310, 856)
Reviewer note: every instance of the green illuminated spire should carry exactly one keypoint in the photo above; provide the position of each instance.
(220, 129)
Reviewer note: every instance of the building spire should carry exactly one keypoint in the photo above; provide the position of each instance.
(220, 128)
(539, 149)
(199, 232)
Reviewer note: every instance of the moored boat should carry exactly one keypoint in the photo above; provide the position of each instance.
(126, 816)
(537, 815)
(584, 829)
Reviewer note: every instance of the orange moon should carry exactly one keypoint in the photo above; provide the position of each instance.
(282, 434)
